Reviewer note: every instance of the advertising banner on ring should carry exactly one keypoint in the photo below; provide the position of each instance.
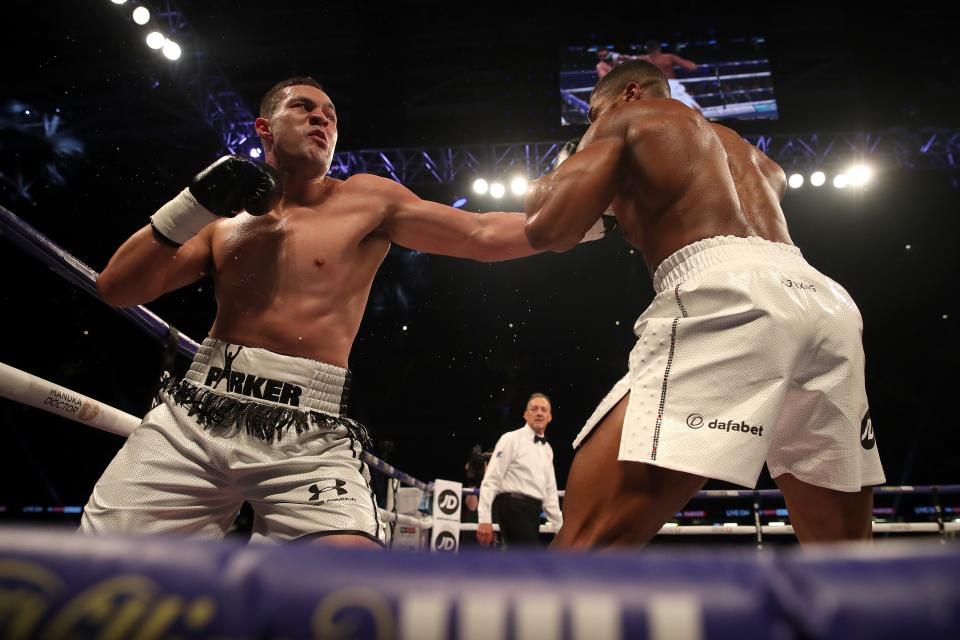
(446, 516)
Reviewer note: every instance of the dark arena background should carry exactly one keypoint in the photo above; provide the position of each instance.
(97, 130)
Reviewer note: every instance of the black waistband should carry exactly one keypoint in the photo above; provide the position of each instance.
(215, 412)
(519, 496)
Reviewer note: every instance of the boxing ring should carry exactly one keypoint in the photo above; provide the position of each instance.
(56, 584)
(732, 89)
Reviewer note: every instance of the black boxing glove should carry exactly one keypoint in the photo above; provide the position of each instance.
(567, 150)
(228, 186)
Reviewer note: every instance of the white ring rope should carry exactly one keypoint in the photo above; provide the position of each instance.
(672, 529)
(34, 391)
(686, 81)
(423, 522)
(28, 389)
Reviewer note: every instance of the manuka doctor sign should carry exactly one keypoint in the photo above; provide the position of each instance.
(733, 425)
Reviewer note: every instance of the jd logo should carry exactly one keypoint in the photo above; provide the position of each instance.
(337, 486)
(445, 542)
(867, 438)
(448, 502)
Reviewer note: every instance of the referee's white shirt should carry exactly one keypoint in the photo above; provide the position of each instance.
(521, 465)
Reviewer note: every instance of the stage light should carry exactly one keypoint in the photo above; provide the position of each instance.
(840, 180)
(459, 202)
(795, 181)
(171, 50)
(155, 40)
(255, 152)
(518, 186)
(497, 190)
(818, 178)
(119, 1)
(859, 175)
(141, 15)
(480, 186)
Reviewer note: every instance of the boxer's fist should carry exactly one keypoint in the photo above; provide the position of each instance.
(233, 184)
(230, 185)
(566, 151)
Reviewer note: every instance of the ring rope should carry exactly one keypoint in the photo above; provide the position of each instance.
(28, 389)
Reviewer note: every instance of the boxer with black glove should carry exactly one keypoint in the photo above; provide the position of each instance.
(228, 186)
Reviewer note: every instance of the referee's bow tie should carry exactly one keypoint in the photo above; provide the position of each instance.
(539, 440)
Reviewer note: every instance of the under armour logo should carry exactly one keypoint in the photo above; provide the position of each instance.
(867, 438)
(337, 486)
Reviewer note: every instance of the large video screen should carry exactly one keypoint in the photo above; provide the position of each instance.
(722, 79)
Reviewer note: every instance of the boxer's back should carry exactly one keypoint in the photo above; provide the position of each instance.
(686, 179)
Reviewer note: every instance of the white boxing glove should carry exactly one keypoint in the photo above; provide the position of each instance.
(607, 223)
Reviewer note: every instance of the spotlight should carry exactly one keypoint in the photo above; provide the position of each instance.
(859, 175)
(171, 50)
(141, 15)
(841, 180)
(795, 181)
(119, 1)
(817, 178)
(497, 190)
(255, 152)
(480, 186)
(518, 186)
(155, 40)
(459, 202)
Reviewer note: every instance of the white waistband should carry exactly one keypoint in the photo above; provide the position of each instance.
(705, 253)
(260, 375)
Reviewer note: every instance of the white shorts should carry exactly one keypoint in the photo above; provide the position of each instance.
(679, 92)
(747, 354)
(244, 424)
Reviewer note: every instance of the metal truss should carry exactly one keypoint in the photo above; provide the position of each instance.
(221, 107)
(224, 110)
(907, 149)
(441, 165)
(937, 149)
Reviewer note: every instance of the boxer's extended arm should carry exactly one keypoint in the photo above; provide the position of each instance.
(432, 227)
(683, 62)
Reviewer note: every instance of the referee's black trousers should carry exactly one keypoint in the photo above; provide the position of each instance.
(519, 518)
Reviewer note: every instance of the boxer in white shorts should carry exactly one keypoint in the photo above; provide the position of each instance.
(278, 439)
(666, 63)
(292, 253)
(747, 354)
